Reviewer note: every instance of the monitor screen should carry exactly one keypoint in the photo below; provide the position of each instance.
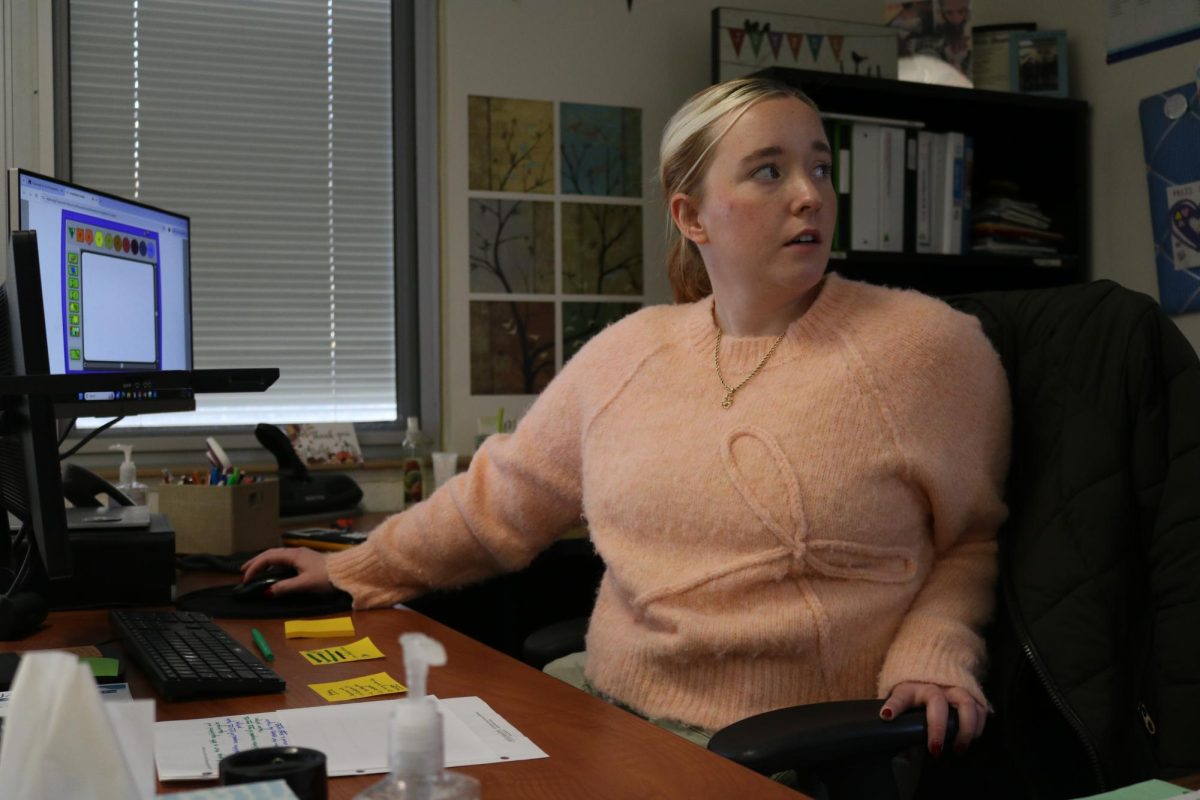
(116, 290)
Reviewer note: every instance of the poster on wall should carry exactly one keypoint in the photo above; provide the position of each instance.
(552, 262)
(746, 41)
(1170, 129)
(1137, 27)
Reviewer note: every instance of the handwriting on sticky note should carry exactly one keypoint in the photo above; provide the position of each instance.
(355, 688)
(362, 650)
(317, 628)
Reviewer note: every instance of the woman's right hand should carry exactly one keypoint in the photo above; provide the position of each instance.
(312, 575)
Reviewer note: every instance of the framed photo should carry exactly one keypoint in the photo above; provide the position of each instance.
(1038, 63)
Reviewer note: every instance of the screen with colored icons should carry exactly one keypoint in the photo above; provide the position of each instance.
(115, 278)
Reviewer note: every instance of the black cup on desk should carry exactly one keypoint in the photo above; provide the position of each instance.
(301, 768)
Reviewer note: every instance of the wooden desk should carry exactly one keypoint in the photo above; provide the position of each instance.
(596, 750)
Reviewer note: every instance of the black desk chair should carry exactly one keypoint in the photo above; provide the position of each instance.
(1095, 646)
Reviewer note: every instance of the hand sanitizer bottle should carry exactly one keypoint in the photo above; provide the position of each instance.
(128, 482)
(418, 464)
(416, 760)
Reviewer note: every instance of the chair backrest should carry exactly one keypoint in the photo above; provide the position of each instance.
(1098, 606)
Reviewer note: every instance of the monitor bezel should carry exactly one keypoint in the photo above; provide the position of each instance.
(67, 405)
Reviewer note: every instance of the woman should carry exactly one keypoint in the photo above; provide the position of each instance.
(794, 479)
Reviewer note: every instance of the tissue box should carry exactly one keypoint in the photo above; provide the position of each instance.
(222, 519)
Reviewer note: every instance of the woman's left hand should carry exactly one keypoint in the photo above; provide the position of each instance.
(937, 701)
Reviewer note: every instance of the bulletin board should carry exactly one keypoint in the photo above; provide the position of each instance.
(1171, 142)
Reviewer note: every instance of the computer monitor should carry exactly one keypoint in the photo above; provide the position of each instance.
(30, 481)
(116, 291)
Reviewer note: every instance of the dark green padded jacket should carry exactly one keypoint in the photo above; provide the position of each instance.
(1095, 647)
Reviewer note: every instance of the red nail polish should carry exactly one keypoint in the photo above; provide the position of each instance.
(886, 713)
(936, 749)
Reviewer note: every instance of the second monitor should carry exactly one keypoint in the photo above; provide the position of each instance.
(116, 290)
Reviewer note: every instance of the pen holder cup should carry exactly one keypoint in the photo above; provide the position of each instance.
(222, 519)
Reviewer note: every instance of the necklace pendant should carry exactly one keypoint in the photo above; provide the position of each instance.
(728, 401)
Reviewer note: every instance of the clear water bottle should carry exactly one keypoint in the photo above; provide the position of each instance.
(417, 464)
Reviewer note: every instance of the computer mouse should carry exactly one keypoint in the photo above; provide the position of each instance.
(256, 587)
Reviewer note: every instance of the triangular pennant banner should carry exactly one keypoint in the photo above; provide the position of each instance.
(835, 43)
(776, 39)
(814, 44)
(795, 40)
(737, 36)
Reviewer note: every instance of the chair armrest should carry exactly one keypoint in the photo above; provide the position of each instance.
(554, 641)
(803, 737)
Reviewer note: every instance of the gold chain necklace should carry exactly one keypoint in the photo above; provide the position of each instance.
(731, 390)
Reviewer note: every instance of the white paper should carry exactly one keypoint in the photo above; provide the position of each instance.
(352, 736)
(508, 743)
(192, 749)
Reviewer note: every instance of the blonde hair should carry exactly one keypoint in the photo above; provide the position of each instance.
(688, 141)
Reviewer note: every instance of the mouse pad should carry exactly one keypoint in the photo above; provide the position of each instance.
(219, 602)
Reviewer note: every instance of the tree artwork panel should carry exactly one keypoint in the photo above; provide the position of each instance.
(512, 246)
(511, 145)
(601, 150)
(582, 321)
(512, 346)
(601, 249)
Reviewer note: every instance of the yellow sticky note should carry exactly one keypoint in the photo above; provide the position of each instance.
(356, 688)
(361, 650)
(316, 628)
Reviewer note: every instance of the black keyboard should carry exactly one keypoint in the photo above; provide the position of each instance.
(186, 654)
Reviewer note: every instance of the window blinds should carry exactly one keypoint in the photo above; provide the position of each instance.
(269, 124)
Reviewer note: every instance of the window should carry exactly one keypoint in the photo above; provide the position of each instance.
(270, 124)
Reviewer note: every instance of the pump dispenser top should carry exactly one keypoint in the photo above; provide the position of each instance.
(415, 741)
(128, 482)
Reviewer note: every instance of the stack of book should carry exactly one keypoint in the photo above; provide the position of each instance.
(1007, 226)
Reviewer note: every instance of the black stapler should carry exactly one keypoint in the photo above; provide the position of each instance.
(301, 493)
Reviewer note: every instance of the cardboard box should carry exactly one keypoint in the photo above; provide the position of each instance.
(222, 519)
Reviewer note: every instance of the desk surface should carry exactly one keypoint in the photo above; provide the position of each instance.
(595, 749)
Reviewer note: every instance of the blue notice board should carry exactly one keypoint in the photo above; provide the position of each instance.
(1171, 143)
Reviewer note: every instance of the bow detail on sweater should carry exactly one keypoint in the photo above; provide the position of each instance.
(797, 554)
(834, 558)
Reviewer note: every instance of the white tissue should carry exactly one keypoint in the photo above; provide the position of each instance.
(59, 740)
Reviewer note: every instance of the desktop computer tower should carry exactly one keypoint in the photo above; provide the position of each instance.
(118, 567)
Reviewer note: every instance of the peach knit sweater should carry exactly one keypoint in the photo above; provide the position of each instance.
(828, 536)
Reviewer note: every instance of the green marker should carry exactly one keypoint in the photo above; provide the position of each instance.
(261, 643)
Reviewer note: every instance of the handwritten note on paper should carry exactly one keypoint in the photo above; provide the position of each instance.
(317, 628)
(362, 650)
(356, 688)
(181, 752)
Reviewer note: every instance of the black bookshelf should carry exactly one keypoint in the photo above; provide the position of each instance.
(1041, 143)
